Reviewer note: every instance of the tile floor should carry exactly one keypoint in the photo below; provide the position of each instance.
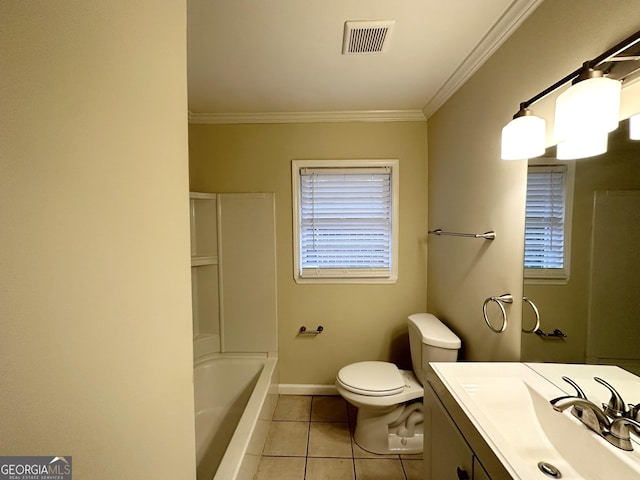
(311, 438)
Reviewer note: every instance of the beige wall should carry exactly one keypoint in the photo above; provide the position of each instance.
(362, 322)
(471, 189)
(95, 335)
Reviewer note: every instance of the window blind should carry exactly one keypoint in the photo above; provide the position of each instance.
(345, 221)
(545, 217)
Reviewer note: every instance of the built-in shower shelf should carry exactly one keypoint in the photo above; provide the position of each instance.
(201, 260)
(225, 229)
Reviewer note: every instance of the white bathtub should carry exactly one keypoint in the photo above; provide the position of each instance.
(234, 401)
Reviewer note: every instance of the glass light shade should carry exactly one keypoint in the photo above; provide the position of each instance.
(583, 147)
(588, 107)
(523, 137)
(634, 127)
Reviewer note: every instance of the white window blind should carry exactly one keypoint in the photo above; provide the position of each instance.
(545, 247)
(345, 222)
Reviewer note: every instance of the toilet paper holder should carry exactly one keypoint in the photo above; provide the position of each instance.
(303, 330)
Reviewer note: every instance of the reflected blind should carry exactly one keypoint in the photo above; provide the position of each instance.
(545, 217)
(345, 222)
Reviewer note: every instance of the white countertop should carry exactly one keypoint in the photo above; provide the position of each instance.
(508, 404)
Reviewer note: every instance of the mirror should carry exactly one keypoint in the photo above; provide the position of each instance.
(599, 306)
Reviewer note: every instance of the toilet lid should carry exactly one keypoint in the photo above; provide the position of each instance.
(374, 379)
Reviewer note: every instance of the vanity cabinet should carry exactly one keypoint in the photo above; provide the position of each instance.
(447, 453)
(479, 472)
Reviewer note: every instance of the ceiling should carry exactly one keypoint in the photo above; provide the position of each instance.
(273, 60)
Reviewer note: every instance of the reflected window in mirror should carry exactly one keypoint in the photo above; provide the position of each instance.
(548, 221)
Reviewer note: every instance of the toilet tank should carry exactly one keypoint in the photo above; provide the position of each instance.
(430, 341)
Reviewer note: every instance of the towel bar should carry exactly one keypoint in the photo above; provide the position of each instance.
(491, 235)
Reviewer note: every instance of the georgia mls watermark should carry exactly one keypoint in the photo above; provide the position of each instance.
(35, 468)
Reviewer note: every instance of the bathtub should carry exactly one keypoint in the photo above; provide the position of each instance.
(235, 398)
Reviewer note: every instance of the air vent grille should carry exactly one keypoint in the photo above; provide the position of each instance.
(366, 36)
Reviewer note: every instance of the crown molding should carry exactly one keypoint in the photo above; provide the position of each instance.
(309, 117)
(495, 37)
(511, 19)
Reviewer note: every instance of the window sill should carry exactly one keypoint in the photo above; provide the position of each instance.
(546, 281)
(350, 280)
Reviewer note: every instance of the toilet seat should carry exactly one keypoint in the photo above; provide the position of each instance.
(373, 379)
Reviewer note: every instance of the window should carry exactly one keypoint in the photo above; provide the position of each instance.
(345, 218)
(548, 223)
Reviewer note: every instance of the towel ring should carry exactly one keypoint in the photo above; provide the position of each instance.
(537, 314)
(506, 298)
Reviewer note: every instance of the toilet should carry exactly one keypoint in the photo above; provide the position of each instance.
(389, 400)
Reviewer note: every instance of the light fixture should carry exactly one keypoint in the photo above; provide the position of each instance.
(634, 127)
(582, 147)
(590, 106)
(524, 136)
(585, 113)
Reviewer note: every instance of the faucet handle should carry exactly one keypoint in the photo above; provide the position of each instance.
(580, 393)
(616, 407)
(634, 414)
(618, 434)
(577, 409)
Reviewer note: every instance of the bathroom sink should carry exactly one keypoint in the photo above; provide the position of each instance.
(508, 403)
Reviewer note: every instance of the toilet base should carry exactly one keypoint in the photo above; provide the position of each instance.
(400, 430)
(414, 444)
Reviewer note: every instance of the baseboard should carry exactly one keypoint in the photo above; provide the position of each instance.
(306, 389)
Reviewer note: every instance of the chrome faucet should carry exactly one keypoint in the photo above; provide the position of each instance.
(616, 407)
(615, 430)
(576, 410)
(589, 413)
(634, 414)
(618, 434)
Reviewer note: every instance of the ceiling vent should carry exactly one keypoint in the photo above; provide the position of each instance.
(366, 36)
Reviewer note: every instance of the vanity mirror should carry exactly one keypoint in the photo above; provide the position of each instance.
(598, 305)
